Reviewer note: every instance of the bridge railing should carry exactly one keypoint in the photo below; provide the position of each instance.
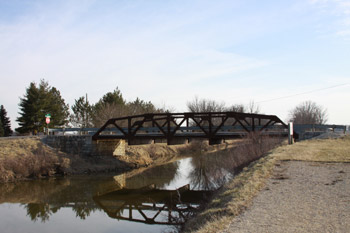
(315, 128)
(307, 131)
(156, 130)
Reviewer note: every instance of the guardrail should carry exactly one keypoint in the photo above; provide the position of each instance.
(77, 131)
(317, 128)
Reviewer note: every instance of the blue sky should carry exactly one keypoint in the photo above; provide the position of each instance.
(168, 52)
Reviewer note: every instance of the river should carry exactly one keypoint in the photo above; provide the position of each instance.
(158, 199)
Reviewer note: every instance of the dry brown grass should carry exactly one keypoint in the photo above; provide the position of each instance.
(17, 147)
(237, 195)
(322, 150)
(28, 158)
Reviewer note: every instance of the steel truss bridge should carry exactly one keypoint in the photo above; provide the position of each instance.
(178, 128)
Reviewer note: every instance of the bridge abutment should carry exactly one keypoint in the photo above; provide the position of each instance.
(109, 147)
(85, 146)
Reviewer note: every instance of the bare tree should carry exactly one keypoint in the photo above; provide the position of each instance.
(308, 112)
(205, 105)
(236, 108)
(253, 107)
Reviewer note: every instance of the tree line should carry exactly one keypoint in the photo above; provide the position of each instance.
(42, 99)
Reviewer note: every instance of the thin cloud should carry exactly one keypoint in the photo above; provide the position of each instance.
(339, 10)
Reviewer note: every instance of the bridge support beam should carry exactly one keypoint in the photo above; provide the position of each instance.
(216, 141)
(177, 141)
(139, 141)
(161, 140)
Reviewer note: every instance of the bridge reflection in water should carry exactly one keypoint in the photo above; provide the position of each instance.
(152, 206)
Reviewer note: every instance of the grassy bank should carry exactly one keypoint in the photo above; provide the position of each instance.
(322, 150)
(29, 158)
(238, 194)
(23, 158)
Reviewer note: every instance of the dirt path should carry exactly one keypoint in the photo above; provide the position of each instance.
(300, 197)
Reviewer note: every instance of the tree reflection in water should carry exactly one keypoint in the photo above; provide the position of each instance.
(82, 210)
(43, 198)
(209, 172)
(40, 211)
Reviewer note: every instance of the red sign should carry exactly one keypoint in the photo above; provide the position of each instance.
(47, 120)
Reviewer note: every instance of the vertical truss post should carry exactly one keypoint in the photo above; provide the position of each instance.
(210, 125)
(129, 128)
(253, 124)
(168, 128)
(130, 212)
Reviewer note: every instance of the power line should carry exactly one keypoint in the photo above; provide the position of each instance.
(303, 93)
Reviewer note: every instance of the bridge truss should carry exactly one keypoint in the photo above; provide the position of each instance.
(175, 128)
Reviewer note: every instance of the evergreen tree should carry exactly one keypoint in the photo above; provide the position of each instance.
(111, 98)
(36, 103)
(6, 123)
(111, 105)
(140, 107)
(1, 129)
(82, 113)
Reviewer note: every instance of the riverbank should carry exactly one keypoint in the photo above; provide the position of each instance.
(27, 158)
(22, 158)
(242, 206)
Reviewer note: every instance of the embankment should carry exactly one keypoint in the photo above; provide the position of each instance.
(23, 158)
(237, 195)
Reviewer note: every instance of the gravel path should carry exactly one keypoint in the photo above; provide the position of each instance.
(300, 197)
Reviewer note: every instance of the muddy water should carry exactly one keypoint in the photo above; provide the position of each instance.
(158, 199)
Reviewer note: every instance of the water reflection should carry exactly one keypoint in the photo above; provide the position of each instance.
(38, 211)
(43, 198)
(163, 195)
(210, 172)
(152, 206)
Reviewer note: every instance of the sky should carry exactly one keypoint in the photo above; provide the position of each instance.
(275, 53)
